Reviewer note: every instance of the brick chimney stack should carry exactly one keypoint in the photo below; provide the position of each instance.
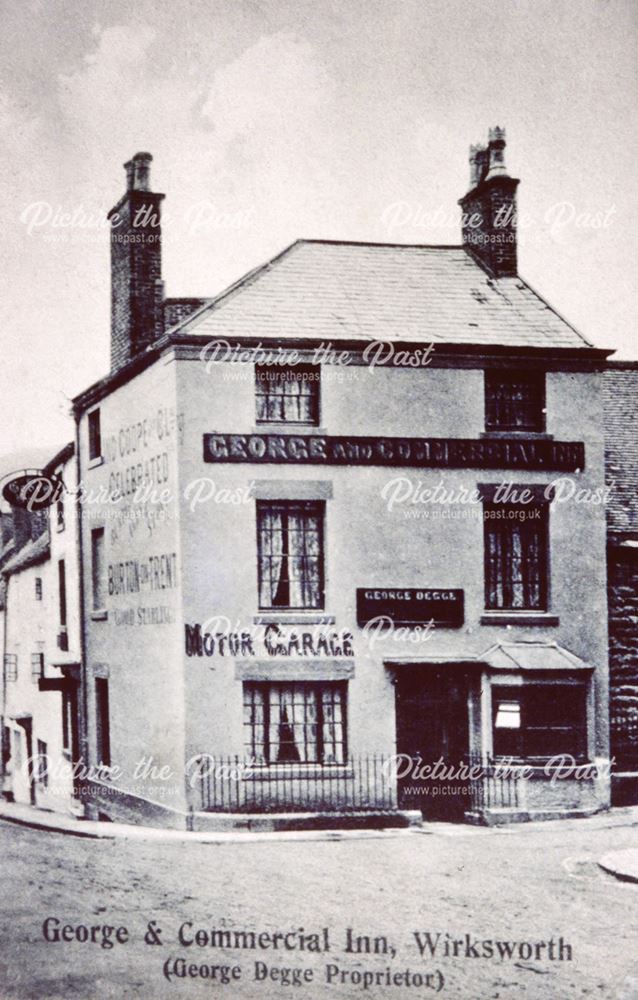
(137, 290)
(489, 209)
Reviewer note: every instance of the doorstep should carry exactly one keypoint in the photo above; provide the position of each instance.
(501, 817)
(273, 822)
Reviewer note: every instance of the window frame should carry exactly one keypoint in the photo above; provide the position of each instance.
(281, 370)
(11, 666)
(37, 667)
(316, 507)
(94, 435)
(265, 688)
(509, 377)
(501, 524)
(98, 582)
(42, 764)
(63, 612)
(522, 693)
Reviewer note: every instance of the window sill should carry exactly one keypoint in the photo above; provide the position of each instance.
(293, 618)
(519, 618)
(288, 429)
(94, 462)
(534, 435)
(535, 768)
(99, 616)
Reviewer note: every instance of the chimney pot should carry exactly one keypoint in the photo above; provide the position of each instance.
(496, 165)
(138, 172)
(489, 208)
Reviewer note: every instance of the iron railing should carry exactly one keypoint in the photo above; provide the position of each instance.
(227, 783)
(497, 786)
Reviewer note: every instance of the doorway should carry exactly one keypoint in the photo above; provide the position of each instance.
(432, 724)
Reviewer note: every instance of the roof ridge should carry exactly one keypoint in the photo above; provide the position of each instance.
(374, 243)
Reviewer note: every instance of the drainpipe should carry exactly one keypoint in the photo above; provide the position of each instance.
(90, 810)
(4, 679)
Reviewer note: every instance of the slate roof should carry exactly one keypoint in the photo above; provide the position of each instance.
(331, 291)
(620, 394)
(35, 551)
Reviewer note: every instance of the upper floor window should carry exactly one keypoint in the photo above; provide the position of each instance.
(95, 435)
(290, 554)
(11, 666)
(97, 568)
(516, 556)
(514, 401)
(38, 588)
(62, 592)
(287, 395)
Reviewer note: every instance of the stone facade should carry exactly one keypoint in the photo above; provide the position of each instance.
(621, 450)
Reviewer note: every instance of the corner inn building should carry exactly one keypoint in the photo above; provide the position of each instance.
(243, 525)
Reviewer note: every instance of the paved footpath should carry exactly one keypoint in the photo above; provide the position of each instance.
(622, 864)
(42, 819)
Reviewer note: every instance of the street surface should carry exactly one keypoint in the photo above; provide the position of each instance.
(526, 884)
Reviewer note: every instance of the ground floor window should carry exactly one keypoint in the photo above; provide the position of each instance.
(540, 721)
(37, 667)
(42, 765)
(301, 723)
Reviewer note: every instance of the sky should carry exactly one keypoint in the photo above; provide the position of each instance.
(271, 120)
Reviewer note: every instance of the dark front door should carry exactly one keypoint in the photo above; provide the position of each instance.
(432, 729)
(27, 725)
(71, 729)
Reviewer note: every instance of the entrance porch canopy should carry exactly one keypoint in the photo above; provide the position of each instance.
(503, 656)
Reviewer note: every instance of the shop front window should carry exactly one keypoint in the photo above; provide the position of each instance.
(540, 721)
